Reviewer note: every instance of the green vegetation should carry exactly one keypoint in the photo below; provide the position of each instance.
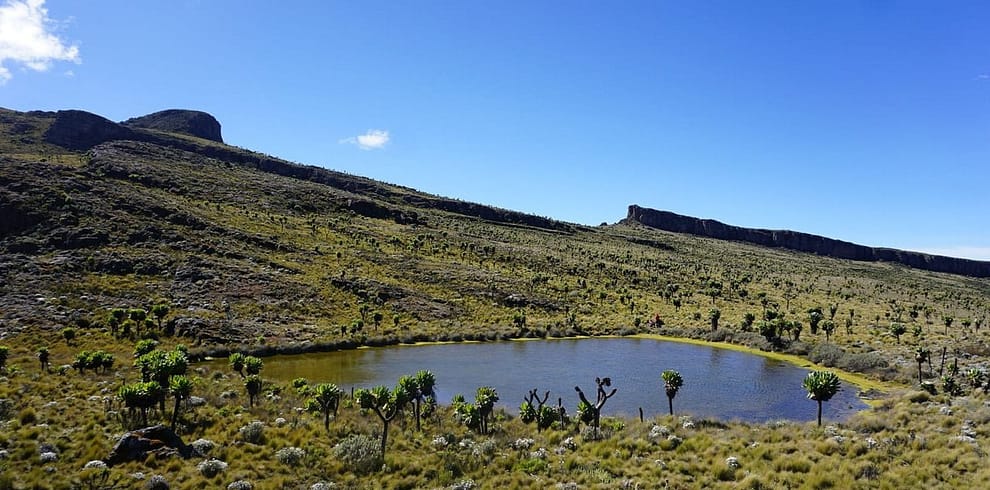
(386, 404)
(821, 387)
(157, 247)
(325, 400)
(672, 383)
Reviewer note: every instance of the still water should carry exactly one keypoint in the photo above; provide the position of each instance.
(718, 383)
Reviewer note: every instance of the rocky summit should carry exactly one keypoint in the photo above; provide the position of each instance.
(192, 123)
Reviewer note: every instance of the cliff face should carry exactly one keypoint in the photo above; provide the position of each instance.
(804, 242)
(194, 123)
(81, 130)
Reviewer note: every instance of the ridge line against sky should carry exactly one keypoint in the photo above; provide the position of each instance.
(857, 120)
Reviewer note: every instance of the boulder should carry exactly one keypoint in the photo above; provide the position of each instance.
(158, 440)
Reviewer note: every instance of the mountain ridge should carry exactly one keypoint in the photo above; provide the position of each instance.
(80, 131)
(804, 242)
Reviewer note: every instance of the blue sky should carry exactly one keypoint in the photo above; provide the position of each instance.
(867, 121)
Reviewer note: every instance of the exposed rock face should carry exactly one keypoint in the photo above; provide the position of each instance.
(804, 242)
(194, 123)
(158, 440)
(81, 130)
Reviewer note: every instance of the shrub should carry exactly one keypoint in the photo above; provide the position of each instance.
(144, 346)
(862, 363)
(360, 452)
(27, 416)
(869, 471)
(211, 467)
(484, 450)
(827, 355)
(525, 443)
(531, 465)
(291, 456)
(301, 385)
(203, 446)
(253, 365)
(156, 482)
(253, 432)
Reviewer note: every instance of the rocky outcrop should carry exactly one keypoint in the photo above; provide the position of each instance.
(81, 130)
(137, 445)
(193, 123)
(804, 242)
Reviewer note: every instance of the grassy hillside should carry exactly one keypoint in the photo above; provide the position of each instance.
(295, 259)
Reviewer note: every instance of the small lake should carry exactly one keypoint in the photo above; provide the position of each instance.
(718, 383)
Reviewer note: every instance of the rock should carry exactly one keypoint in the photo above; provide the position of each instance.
(158, 440)
(372, 209)
(967, 429)
(732, 462)
(81, 130)
(803, 242)
(193, 123)
(186, 326)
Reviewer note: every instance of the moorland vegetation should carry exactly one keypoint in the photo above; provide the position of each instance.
(126, 262)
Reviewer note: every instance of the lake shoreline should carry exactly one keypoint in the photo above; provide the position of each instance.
(865, 384)
(610, 359)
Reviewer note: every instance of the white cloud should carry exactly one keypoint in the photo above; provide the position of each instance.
(26, 38)
(374, 139)
(975, 253)
(983, 76)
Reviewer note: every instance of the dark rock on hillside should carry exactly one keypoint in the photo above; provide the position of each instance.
(158, 440)
(14, 217)
(372, 209)
(804, 242)
(193, 123)
(81, 130)
(487, 213)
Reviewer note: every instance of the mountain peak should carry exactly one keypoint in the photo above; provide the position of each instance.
(194, 123)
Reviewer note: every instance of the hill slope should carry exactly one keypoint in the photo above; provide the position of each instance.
(246, 245)
(254, 254)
